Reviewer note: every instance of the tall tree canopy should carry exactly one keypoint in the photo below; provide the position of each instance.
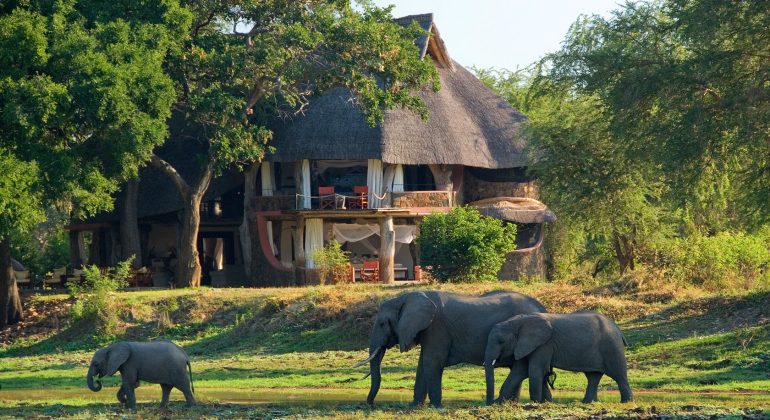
(241, 64)
(689, 80)
(82, 105)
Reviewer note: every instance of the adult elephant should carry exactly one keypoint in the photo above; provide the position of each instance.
(450, 329)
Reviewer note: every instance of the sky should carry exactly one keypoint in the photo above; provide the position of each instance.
(504, 34)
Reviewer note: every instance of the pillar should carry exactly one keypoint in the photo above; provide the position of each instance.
(387, 250)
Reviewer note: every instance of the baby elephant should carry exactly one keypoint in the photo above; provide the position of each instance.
(581, 342)
(160, 362)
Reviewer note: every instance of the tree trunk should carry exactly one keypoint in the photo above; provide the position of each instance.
(188, 270)
(387, 250)
(10, 302)
(129, 225)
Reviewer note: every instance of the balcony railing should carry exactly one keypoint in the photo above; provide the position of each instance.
(401, 200)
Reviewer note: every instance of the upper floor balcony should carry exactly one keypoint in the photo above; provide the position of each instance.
(346, 186)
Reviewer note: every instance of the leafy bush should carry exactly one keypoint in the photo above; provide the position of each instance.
(332, 260)
(722, 261)
(94, 294)
(464, 246)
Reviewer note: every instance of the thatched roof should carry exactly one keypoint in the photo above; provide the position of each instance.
(515, 209)
(469, 124)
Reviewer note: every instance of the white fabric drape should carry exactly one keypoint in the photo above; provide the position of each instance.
(219, 253)
(398, 179)
(268, 180)
(314, 239)
(351, 232)
(287, 238)
(304, 185)
(270, 238)
(374, 182)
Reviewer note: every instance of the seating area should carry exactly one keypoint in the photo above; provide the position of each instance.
(328, 199)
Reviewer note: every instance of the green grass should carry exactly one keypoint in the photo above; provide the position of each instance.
(288, 352)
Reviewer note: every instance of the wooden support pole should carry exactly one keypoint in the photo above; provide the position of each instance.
(387, 250)
(299, 243)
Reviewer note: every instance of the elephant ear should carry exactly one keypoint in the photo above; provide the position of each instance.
(417, 313)
(534, 331)
(117, 355)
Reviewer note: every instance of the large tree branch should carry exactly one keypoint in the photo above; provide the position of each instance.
(205, 179)
(181, 185)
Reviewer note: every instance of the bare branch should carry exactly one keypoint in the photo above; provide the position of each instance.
(181, 185)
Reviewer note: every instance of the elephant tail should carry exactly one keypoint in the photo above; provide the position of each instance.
(189, 371)
(625, 342)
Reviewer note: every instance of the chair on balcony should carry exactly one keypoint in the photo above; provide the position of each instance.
(360, 199)
(370, 271)
(327, 198)
(22, 278)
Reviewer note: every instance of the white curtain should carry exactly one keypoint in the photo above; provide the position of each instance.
(268, 180)
(351, 232)
(219, 254)
(387, 185)
(287, 238)
(304, 185)
(270, 238)
(314, 239)
(374, 182)
(398, 179)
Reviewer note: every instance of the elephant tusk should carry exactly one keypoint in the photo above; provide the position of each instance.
(368, 359)
(493, 362)
(369, 374)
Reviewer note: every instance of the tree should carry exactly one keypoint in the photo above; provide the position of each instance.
(463, 245)
(82, 105)
(689, 78)
(231, 84)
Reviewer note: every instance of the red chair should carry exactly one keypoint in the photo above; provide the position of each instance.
(370, 271)
(328, 199)
(360, 199)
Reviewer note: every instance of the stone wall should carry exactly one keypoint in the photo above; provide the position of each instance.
(520, 265)
(475, 189)
(421, 199)
(263, 274)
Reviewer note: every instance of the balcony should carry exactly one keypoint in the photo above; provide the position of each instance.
(337, 202)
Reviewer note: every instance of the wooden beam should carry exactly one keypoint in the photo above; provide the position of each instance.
(387, 250)
(299, 243)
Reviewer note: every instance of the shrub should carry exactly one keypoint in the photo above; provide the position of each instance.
(94, 295)
(332, 260)
(464, 246)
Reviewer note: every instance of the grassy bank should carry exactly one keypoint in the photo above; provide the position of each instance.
(288, 352)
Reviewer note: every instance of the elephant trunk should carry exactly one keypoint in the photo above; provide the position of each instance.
(90, 379)
(374, 370)
(489, 370)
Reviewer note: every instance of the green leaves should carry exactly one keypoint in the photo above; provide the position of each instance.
(464, 246)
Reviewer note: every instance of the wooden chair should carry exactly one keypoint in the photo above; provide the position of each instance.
(370, 271)
(142, 278)
(76, 276)
(360, 199)
(327, 198)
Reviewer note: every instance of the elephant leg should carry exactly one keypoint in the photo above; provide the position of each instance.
(121, 395)
(420, 387)
(511, 388)
(626, 394)
(166, 393)
(188, 395)
(432, 372)
(593, 386)
(537, 377)
(547, 391)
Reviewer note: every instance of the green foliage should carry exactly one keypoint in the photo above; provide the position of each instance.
(19, 195)
(726, 261)
(464, 246)
(44, 247)
(332, 260)
(95, 295)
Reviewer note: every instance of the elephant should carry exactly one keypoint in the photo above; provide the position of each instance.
(161, 362)
(536, 343)
(450, 329)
